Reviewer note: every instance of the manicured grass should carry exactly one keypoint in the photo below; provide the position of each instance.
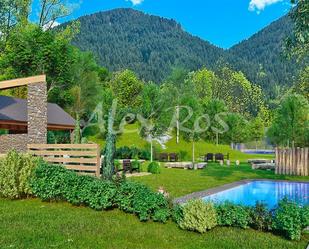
(36, 225)
(179, 182)
(131, 138)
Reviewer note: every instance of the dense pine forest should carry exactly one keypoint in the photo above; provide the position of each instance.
(152, 46)
(150, 66)
(149, 45)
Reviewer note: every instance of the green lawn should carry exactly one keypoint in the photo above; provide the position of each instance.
(179, 182)
(34, 224)
(131, 138)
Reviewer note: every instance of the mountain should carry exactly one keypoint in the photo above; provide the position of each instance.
(262, 59)
(151, 46)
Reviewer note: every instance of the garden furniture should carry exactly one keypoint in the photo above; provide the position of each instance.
(163, 157)
(127, 166)
(173, 157)
(209, 157)
(219, 157)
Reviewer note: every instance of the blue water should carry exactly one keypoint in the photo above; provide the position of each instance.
(268, 192)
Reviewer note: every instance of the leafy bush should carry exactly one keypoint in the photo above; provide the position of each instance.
(154, 168)
(136, 165)
(49, 182)
(57, 183)
(136, 198)
(233, 215)
(198, 216)
(290, 219)
(261, 218)
(126, 152)
(177, 214)
(16, 171)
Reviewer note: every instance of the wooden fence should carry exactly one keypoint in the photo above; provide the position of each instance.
(82, 158)
(292, 161)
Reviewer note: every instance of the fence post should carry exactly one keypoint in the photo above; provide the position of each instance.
(276, 162)
(98, 171)
(306, 158)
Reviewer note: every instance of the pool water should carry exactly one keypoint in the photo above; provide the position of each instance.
(268, 192)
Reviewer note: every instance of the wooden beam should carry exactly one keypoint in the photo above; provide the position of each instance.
(8, 124)
(22, 82)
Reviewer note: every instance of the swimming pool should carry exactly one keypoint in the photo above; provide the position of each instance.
(269, 192)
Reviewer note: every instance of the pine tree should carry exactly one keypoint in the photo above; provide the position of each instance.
(108, 162)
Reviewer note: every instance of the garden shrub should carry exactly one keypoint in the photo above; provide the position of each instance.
(261, 218)
(136, 165)
(177, 213)
(198, 216)
(57, 183)
(230, 214)
(290, 219)
(136, 198)
(126, 152)
(50, 182)
(154, 168)
(16, 171)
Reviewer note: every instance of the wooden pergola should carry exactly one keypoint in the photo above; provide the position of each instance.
(13, 111)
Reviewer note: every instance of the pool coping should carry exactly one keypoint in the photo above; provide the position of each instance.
(211, 191)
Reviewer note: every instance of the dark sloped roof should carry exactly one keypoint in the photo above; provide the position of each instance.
(14, 109)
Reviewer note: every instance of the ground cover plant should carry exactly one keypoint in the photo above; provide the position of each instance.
(15, 171)
(55, 183)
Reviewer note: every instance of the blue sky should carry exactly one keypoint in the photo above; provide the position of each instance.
(222, 22)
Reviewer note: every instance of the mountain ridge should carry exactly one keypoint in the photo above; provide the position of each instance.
(151, 46)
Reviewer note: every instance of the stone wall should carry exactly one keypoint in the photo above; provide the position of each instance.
(37, 122)
(37, 113)
(13, 141)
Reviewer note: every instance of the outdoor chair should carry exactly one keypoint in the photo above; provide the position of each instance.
(209, 157)
(127, 166)
(173, 157)
(219, 157)
(163, 157)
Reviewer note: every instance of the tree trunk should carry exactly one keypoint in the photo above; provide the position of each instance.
(193, 151)
(151, 149)
(177, 124)
(217, 139)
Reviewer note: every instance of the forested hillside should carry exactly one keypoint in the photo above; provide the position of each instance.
(152, 46)
(149, 45)
(262, 57)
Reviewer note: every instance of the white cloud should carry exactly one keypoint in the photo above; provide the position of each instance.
(259, 5)
(135, 2)
(51, 25)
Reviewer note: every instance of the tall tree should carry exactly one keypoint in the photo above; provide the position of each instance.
(12, 12)
(238, 93)
(298, 43)
(191, 122)
(85, 92)
(30, 51)
(291, 122)
(237, 129)
(214, 108)
(256, 130)
(126, 88)
(203, 81)
(50, 11)
(156, 114)
(302, 84)
(109, 156)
